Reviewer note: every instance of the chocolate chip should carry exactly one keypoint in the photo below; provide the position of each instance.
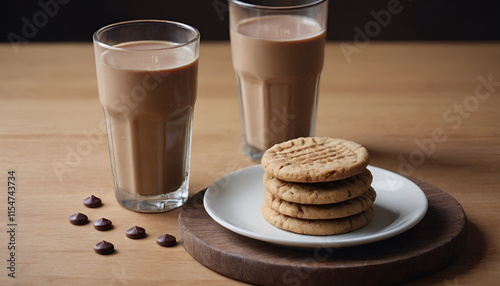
(136, 232)
(166, 240)
(78, 219)
(104, 248)
(92, 202)
(103, 224)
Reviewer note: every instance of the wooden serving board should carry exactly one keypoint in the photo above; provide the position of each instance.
(429, 246)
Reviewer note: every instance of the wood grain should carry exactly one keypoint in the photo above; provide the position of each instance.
(390, 97)
(432, 244)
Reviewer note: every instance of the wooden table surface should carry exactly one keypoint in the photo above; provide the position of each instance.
(426, 110)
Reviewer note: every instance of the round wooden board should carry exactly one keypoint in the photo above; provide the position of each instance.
(429, 246)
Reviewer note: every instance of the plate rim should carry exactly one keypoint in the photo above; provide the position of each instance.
(311, 244)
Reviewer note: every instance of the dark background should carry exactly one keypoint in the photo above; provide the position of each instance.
(76, 20)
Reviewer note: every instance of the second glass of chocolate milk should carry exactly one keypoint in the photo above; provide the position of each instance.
(147, 78)
(277, 50)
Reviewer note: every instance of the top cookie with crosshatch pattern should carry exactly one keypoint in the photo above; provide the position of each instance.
(315, 159)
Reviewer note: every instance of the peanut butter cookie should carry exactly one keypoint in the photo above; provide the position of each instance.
(315, 159)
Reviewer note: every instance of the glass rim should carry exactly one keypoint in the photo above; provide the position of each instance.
(243, 3)
(195, 39)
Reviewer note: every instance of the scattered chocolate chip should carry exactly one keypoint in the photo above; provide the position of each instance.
(103, 224)
(166, 240)
(78, 219)
(104, 248)
(136, 232)
(92, 202)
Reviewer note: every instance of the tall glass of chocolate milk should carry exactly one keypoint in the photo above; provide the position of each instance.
(147, 79)
(277, 50)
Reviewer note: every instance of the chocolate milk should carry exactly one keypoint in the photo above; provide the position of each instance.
(148, 100)
(278, 61)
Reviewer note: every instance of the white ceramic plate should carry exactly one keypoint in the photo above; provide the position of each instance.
(235, 200)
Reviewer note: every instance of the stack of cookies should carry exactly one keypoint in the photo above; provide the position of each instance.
(317, 186)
